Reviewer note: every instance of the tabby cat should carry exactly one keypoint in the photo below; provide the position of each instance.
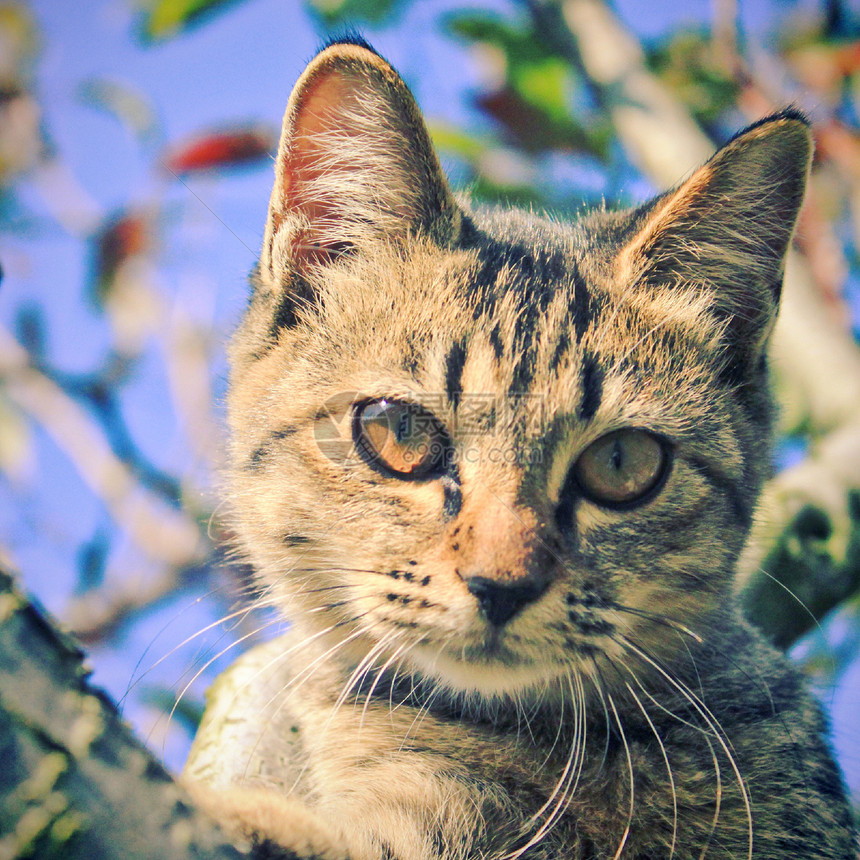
(496, 471)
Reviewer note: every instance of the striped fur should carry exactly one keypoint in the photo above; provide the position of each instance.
(624, 709)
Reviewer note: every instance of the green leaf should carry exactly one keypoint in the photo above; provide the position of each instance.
(20, 40)
(167, 18)
(490, 191)
(31, 330)
(535, 128)
(449, 138)
(688, 64)
(545, 84)
(806, 575)
(338, 13)
(534, 105)
(519, 43)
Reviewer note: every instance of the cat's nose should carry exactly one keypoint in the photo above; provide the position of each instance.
(501, 601)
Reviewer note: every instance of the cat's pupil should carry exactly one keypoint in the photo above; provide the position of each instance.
(616, 459)
(404, 427)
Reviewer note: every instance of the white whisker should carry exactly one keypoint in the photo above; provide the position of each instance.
(620, 725)
(718, 733)
(668, 767)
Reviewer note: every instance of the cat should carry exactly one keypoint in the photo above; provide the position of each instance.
(496, 471)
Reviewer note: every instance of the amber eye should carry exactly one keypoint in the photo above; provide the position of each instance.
(401, 438)
(623, 468)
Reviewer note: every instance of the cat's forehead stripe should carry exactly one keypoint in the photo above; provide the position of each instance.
(562, 345)
(581, 303)
(454, 362)
(591, 376)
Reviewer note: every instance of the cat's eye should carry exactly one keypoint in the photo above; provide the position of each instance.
(401, 438)
(623, 468)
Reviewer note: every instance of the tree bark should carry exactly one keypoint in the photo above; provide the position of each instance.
(75, 784)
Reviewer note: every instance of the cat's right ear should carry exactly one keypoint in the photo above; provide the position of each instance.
(355, 165)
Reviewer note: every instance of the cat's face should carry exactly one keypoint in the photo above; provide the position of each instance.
(484, 445)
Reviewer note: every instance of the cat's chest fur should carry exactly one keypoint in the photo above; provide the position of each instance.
(406, 773)
(496, 471)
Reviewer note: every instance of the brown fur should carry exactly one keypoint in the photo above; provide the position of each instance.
(488, 662)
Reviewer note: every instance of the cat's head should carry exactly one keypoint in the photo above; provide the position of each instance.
(487, 445)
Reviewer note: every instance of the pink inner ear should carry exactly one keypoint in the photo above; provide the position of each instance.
(356, 163)
(320, 115)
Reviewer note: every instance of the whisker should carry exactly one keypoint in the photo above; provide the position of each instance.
(558, 731)
(200, 599)
(706, 734)
(398, 654)
(658, 619)
(244, 611)
(618, 722)
(601, 686)
(209, 662)
(719, 734)
(668, 767)
(420, 714)
(364, 665)
(566, 783)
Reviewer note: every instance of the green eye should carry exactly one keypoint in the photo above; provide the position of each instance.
(622, 469)
(402, 439)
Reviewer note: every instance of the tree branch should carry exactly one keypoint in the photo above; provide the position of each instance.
(75, 784)
(162, 532)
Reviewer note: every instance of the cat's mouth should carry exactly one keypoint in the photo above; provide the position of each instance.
(488, 664)
(489, 669)
(492, 648)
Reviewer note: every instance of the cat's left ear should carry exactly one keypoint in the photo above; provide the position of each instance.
(355, 165)
(725, 231)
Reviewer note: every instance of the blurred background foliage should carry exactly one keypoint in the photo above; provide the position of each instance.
(135, 164)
